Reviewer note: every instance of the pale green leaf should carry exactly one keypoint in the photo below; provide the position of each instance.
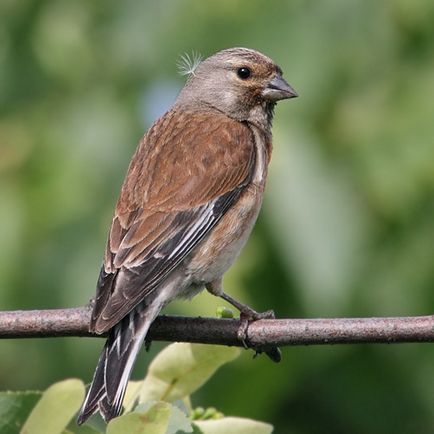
(233, 425)
(83, 429)
(153, 421)
(55, 409)
(181, 368)
(178, 420)
(131, 395)
(14, 409)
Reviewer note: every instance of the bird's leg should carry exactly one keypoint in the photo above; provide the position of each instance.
(247, 315)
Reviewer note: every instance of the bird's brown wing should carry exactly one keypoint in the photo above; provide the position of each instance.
(186, 173)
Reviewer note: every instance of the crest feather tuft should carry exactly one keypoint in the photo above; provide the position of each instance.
(188, 63)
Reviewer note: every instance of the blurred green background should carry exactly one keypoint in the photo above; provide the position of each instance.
(347, 227)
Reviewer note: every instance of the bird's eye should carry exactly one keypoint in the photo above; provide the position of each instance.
(244, 73)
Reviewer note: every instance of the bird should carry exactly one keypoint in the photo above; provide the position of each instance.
(189, 201)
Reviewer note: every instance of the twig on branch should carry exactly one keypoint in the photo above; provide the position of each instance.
(261, 334)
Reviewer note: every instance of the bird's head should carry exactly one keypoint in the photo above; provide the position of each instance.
(240, 82)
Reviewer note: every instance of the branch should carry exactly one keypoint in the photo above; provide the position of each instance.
(261, 334)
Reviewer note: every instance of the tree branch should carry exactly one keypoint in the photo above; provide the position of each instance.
(261, 334)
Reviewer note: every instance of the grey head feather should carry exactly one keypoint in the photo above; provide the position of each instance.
(213, 84)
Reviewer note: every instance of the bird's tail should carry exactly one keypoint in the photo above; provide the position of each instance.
(115, 364)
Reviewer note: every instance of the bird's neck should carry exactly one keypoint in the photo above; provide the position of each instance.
(261, 116)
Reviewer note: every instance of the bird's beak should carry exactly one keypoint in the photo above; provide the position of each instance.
(277, 89)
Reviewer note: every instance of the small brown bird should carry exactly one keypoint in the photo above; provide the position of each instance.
(187, 206)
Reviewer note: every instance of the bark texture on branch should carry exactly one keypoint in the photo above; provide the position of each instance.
(261, 334)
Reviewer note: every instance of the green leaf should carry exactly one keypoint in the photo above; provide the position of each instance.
(55, 409)
(83, 429)
(178, 420)
(131, 395)
(233, 425)
(157, 418)
(181, 368)
(14, 409)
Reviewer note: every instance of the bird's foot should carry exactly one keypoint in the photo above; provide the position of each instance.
(248, 315)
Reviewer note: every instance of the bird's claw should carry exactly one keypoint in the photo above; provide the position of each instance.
(246, 317)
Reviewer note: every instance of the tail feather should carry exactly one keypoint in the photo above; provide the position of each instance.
(115, 364)
(96, 391)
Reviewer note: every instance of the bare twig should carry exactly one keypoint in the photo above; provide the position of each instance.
(261, 334)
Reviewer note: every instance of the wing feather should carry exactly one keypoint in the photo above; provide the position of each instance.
(186, 173)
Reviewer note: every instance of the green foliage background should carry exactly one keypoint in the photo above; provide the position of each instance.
(347, 226)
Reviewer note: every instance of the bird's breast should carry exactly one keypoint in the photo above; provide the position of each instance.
(212, 258)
